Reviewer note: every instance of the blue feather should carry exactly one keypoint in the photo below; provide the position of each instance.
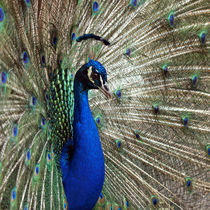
(83, 173)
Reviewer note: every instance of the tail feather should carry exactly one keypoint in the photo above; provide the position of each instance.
(155, 129)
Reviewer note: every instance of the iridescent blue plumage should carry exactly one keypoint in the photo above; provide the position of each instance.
(28, 155)
(83, 171)
(3, 77)
(128, 52)
(15, 130)
(1, 15)
(73, 36)
(25, 57)
(171, 19)
(95, 6)
(98, 67)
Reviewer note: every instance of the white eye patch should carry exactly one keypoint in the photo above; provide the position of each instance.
(93, 76)
(90, 70)
(101, 80)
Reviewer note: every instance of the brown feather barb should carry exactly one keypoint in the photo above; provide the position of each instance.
(155, 130)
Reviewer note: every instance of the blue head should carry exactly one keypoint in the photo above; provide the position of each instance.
(93, 76)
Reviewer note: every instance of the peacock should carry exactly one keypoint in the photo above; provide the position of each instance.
(104, 104)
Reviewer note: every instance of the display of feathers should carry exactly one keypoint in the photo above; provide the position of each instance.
(154, 131)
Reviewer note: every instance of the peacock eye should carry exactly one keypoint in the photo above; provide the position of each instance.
(94, 76)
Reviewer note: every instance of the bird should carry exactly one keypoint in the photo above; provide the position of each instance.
(104, 104)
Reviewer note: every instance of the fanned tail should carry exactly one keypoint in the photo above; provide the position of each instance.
(155, 130)
(29, 177)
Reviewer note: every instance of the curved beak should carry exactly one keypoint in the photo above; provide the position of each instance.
(105, 90)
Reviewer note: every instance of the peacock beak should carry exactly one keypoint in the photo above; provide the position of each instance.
(105, 90)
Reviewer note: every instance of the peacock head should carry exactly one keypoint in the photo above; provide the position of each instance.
(93, 76)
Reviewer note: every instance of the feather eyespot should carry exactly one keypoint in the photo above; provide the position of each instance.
(154, 201)
(13, 194)
(1, 15)
(185, 120)
(128, 52)
(207, 150)
(165, 69)
(43, 60)
(194, 80)
(43, 121)
(101, 196)
(28, 155)
(171, 19)
(202, 37)
(98, 120)
(49, 156)
(65, 205)
(73, 36)
(126, 203)
(134, 2)
(119, 94)
(189, 183)
(27, 2)
(15, 131)
(37, 170)
(95, 6)
(3, 77)
(33, 100)
(25, 57)
(156, 108)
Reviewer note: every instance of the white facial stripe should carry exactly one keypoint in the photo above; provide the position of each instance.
(101, 80)
(89, 74)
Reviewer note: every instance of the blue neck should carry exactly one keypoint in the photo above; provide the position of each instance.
(83, 174)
